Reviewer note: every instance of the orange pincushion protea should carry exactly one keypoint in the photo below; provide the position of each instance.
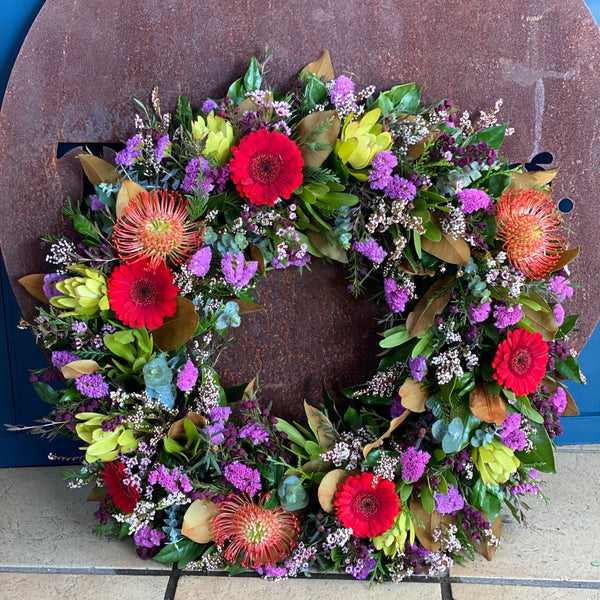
(263, 536)
(155, 225)
(530, 226)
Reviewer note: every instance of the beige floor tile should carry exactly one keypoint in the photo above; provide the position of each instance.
(250, 588)
(27, 586)
(465, 591)
(561, 540)
(44, 523)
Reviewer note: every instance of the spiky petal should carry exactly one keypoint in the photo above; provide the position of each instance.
(530, 226)
(263, 536)
(155, 225)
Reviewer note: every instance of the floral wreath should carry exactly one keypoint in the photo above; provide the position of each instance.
(410, 472)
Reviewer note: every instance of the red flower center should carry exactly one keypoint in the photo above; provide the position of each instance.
(264, 167)
(520, 361)
(144, 292)
(366, 504)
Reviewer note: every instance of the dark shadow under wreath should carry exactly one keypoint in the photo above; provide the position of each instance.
(465, 251)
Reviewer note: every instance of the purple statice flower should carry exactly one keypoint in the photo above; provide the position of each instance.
(215, 432)
(559, 400)
(187, 377)
(341, 91)
(237, 272)
(362, 562)
(478, 314)
(401, 189)
(60, 358)
(271, 571)
(133, 149)
(161, 146)
(200, 262)
(559, 313)
(511, 434)
(195, 179)
(395, 296)
(396, 410)
(507, 315)
(533, 486)
(173, 481)
(560, 287)
(413, 464)
(208, 106)
(255, 432)
(382, 165)
(50, 281)
(219, 413)
(96, 204)
(245, 479)
(217, 178)
(92, 385)
(417, 366)
(371, 249)
(448, 503)
(473, 199)
(146, 537)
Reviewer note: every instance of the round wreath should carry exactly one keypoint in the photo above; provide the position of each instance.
(465, 251)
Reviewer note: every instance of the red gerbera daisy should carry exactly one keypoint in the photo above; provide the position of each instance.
(155, 225)
(263, 536)
(265, 166)
(142, 295)
(369, 509)
(520, 362)
(530, 226)
(124, 496)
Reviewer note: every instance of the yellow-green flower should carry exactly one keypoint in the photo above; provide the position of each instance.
(495, 462)
(360, 141)
(103, 445)
(392, 542)
(84, 295)
(217, 135)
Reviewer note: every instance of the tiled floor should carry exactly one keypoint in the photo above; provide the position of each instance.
(47, 551)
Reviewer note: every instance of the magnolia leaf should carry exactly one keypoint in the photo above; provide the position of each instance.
(430, 522)
(322, 425)
(34, 284)
(178, 329)
(448, 249)
(198, 519)
(77, 368)
(405, 267)
(249, 389)
(128, 191)
(321, 67)
(247, 307)
(98, 170)
(413, 395)
(325, 248)
(416, 150)
(249, 105)
(315, 158)
(566, 256)
(97, 494)
(490, 409)
(257, 255)
(543, 321)
(394, 423)
(485, 549)
(316, 466)
(433, 302)
(329, 485)
(177, 428)
(531, 180)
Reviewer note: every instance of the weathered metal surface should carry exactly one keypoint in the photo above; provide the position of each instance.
(82, 63)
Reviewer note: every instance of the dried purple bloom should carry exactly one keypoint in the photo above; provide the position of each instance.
(417, 366)
(254, 432)
(395, 296)
(478, 314)
(208, 106)
(96, 204)
(133, 149)
(371, 249)
(161, 146)
(60, 358)
(245, 479)
(559, 313)
(92, 385)
(187, 377)
(237, 272)
(507, 315)
(50, 281)
(560, 287)
(382, 165)
(450, 502)
(341, 91)
(195, 179)
(200, 263)
(401, 189)
(473, 199)
(413, 464)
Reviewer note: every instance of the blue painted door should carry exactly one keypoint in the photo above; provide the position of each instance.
(18, 352)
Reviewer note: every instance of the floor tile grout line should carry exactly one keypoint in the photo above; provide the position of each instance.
(172, 584)
(87, 571)
(543, 583)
